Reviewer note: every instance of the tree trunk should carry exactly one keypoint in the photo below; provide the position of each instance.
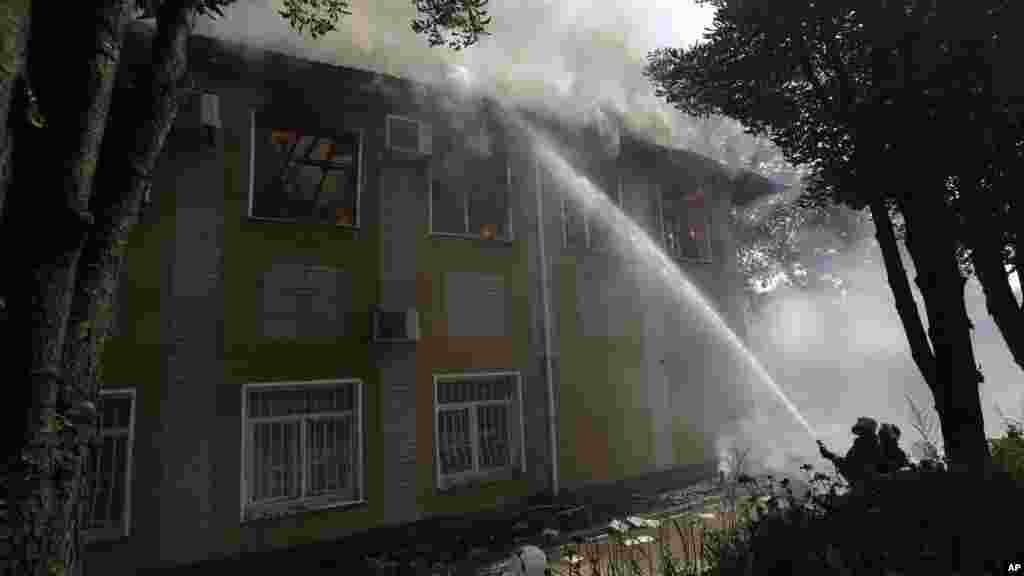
(48, 473)
(15, 19)
(906, 307)
(139, 125)
(989, 265)
(941, 285)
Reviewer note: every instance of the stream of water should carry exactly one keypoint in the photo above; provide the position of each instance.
(633, 238)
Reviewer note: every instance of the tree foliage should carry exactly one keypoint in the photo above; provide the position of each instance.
(866, 96)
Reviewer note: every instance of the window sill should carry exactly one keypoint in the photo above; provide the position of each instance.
(477, 237)
(454, 486)
(353, 227)
(274, 511)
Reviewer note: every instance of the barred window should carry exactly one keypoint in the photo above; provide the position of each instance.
(303, 446)
(479, 428)
(111, 466)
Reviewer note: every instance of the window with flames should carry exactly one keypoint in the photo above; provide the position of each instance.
(306, 175)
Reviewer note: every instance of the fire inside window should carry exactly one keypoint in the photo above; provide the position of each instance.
(308, 175)
(695, 206)
(685, 223)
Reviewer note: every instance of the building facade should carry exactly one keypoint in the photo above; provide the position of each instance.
(353, 302)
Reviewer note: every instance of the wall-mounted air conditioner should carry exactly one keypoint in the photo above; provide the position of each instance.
(396, 326)
(408, 136)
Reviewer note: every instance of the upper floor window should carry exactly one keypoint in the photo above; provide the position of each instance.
(685, 222)
(478, 423)
(469, 188)
(302, 446)
(582, 230)
(305, 174)
(111, 466)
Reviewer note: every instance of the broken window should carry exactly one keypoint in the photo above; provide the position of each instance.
(301, 174)
(685, 221)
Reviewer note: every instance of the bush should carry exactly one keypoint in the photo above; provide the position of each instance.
(907, 522)
(1008, 452)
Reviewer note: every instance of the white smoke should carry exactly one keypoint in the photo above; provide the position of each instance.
(573, 58)
(844, 355)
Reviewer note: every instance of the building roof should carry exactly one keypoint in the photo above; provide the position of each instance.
(243, 65)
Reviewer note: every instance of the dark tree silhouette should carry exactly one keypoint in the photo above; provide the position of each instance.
(867, 97)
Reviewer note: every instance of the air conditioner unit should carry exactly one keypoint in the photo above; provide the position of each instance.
(392, 326)
(408, 136)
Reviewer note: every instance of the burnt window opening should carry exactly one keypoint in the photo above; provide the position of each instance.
(686, 224)
(306, 175)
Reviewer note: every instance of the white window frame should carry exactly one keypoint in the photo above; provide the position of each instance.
(664, 234)
(92, 535)
(509, 234)
(448, 481)
(360, 178)
(423, 128)
(617, 200)
(253, 511)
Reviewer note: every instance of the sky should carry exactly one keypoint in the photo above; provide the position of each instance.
(836, 361)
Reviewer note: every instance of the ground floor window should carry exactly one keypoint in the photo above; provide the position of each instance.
(478, 426)
(303, 445)
(111, 466)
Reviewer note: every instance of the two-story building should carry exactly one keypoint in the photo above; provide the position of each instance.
(353, 301)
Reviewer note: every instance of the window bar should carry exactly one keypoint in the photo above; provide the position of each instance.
(565, 223)
(305, 461)
(465, 211)
(454, 442)
(357, 468)
(295, 489)
(483, 419)
(278, 444)
(311, 454)
(586, 228)
(507, 199)
(286, 460)
(254, 490)
(439, 415)
(327, 451)
(348, 452)
(114, 459)
(449, 444)
(474, 440)
(340, 442)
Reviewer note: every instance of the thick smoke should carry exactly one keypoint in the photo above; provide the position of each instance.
(843, 354)
(574, 58)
